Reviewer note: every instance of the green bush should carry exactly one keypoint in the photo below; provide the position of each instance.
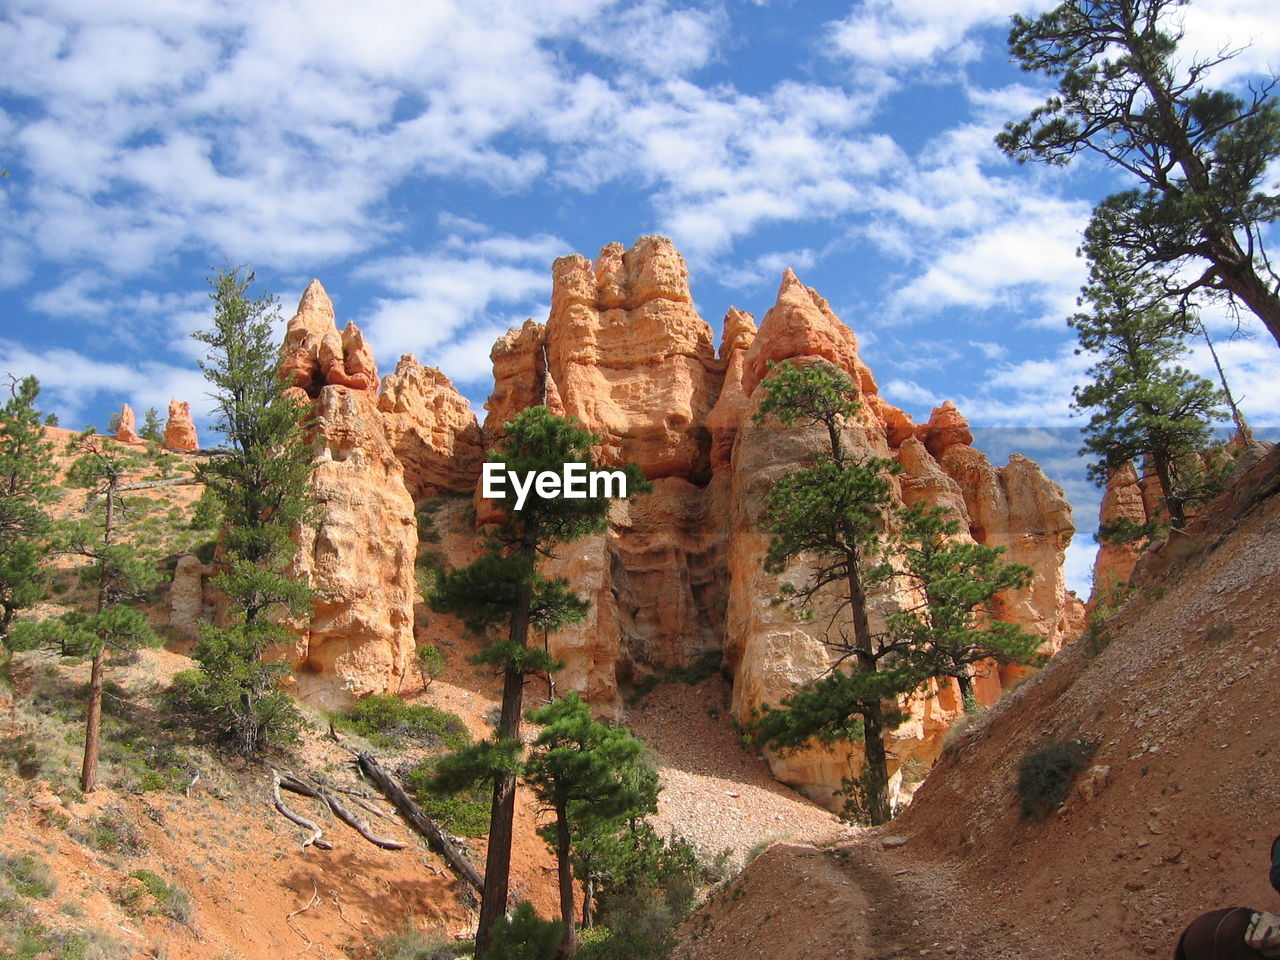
(28, 876)
(410, 943)
(526, 936)
(465, 812)
(111, 832)
(430, 662)
(169, 900)
(1046, 774)
(387, 721)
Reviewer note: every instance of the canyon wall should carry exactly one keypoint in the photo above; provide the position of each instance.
(678, 575)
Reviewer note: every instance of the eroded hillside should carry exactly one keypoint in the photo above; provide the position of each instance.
(1174, 817)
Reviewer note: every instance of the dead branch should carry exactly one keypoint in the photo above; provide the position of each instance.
(365, 804)
(413, 815)
(359, 826)
(315, 898)
(317, 834)
(299, 786)
(195, 778)
(170, 482)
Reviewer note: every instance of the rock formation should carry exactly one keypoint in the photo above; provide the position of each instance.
(359, 556)
(631, 358)
(189, 599)
(180, 429)
(127, 428)
(769, 651)
(679, 572)
(431, 429)
(316, 355)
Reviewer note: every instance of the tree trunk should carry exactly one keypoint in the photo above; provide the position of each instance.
(588, 895)
(93, 715)
(875, 774)
(964, 679)
(497, 867)
(1240, 277)
(564, 868)
(1172, 499)
(1232, 263)
(93, 724)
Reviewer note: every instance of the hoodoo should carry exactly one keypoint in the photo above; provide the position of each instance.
(678, 576)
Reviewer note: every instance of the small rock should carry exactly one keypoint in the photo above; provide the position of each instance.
(890, 842)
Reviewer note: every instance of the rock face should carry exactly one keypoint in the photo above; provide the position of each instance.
(189, 598)
(1124, 499)
(631, 358)
(359, 557)
(180, 429)
(431, 430)
(127, 429)
(679, 574)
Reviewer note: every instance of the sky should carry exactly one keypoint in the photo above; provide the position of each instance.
(427, 161)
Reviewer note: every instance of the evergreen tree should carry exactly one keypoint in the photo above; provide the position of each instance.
(1200, 156)
(1143, 404)
(590, 775)
(640, 885)
(954, 624)
(503, 587)
(26, 478)
(831, 513)
(261, 481)
(151, 430)
(120, 574)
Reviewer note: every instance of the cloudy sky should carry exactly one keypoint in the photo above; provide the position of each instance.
(428, 160)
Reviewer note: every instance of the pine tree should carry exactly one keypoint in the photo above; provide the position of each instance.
(1200, 156)
(1143, 404)
(590, 775)
(151, 430)
(119, 572)
(954, 625)
(832, 513)
(261, 481)
(503, 587)
(26, 478)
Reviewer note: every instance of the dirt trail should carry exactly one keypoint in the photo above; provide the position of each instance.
(857, 901)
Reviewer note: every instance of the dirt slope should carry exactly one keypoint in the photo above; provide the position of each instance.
(1182, 706)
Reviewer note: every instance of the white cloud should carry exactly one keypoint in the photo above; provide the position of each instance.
(900, 35)
(442, 304)
(992, 351)
(689, 37)
(1213, 26)
(72, 383)
(765, 268)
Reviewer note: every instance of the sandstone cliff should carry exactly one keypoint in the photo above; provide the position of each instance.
(1015, 506)
(359, 557)
(678, 574)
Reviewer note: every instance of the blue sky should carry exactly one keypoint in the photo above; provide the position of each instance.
(428, 160)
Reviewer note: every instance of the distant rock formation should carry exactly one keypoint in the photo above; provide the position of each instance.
(180, 429)
(127, 428)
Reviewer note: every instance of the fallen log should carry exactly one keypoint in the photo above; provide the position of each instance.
(414, 816)
(317, 835)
